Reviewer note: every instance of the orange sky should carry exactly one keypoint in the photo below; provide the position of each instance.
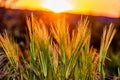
(95, 7)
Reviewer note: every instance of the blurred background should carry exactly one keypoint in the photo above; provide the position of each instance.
(13, 19)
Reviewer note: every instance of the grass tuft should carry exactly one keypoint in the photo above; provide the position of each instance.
(55, 52)
(107, 37)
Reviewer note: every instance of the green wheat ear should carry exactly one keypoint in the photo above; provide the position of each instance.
(107, 37)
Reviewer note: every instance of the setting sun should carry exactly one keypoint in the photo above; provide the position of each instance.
(57, 5)
(89, 7)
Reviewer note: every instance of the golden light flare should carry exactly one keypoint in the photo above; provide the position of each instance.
(57, 5)
(88, 7)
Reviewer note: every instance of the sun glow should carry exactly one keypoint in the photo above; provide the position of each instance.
(88, 7)
(57, 5)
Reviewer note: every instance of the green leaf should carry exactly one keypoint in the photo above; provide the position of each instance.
(43, 63)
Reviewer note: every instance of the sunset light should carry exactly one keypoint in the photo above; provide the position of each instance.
(59, 39)
(57, 5)
(89, 7)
